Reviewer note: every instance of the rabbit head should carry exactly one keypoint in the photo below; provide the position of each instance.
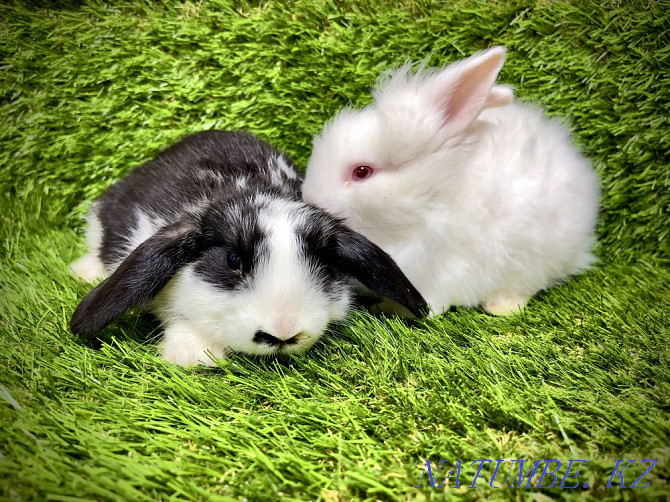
(256, 273)
(388, 151)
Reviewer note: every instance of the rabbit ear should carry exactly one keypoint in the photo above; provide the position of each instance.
(140, 276)
(358, 257)
(463, 88)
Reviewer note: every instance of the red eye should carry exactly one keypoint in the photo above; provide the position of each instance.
(361, 172)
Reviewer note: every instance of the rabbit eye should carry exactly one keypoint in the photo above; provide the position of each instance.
(233, 261)
(361, 172)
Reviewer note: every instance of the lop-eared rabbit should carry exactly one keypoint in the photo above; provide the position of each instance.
(213, 237)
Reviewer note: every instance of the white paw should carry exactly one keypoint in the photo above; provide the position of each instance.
(390, 307)
(88, 268)
(184, 346)
(505, 304)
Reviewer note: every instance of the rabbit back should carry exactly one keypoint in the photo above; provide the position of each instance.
(522, 218)
(185, 177)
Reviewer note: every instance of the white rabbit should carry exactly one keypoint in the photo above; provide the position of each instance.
(212, 236)
(479, 200)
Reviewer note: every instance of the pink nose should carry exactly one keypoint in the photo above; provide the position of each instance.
(283, 329)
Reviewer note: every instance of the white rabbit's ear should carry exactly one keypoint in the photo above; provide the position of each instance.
(463, 89)
(500, 95)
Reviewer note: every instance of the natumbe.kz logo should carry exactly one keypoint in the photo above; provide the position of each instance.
(518, 476)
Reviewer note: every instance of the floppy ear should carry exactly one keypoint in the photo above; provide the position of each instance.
(357, 256)
(462, 89)
(140, 276)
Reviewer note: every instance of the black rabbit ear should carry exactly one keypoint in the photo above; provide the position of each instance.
(139, 277)
(357, 256)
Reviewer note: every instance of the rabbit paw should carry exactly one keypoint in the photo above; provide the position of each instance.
(182, 345)
(505, 304)
(88, 268)
(390, 307)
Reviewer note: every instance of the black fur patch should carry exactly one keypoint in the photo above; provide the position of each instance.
(235, 225)
(203, 166)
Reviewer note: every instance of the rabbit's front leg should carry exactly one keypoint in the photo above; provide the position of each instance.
(502, 304)
(183, 345)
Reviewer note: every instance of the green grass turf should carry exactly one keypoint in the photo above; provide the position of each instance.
(89, 91)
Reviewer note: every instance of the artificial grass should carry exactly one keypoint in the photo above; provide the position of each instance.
(90, 90)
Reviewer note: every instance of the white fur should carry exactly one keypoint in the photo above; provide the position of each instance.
(279, 163)
(282, 299)
(89, 267)
(476, 207)
(241, 183)
(183, 345)
(145, 226)
(275, 177)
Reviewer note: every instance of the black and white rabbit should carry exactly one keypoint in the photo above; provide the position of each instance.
(478, 199)
(214, 238)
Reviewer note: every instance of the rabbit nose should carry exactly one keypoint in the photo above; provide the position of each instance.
(268, 339)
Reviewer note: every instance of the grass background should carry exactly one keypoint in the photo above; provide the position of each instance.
(88, 90)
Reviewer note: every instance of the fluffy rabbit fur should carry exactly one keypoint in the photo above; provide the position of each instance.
(214, 238)
(479, 200)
